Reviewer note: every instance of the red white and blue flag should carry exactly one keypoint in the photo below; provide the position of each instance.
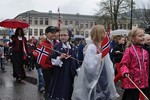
(106, 44)
(42, 54)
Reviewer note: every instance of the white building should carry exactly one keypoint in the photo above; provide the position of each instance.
(78, 24)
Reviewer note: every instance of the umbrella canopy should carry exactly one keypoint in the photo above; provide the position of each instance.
(78, 37)
(5, 40)
(120, 32)
(13, 23)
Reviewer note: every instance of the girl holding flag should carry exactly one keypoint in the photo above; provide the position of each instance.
(135, 66)
(95, 79)
(64, 69)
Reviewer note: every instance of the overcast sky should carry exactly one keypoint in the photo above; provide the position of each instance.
(11, 8)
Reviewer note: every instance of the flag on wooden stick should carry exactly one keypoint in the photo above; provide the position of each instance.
(106, 44)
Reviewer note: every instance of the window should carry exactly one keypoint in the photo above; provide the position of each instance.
(120, 26)
(81, 25)
(66, 22)
(124, 26)
(82, 33)
(41, 21)
(86, 34)
(91, 24)
(86, 25)
(46, 21)
(128, 26)
(95, 23)
(35, 32)
(30, 31)
(71, 22)
(41, 32)
(35, 21)
(24, 18)
(30, 20)
(77, 23)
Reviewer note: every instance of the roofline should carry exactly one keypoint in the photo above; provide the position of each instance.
(77, 14)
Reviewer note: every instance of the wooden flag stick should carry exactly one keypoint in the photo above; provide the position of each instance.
(61, 53)
(66, 54)
(137, 87)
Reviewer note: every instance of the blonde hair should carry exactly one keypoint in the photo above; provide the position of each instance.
(42, 38)
(146, 36)
(1, 43)
(63, 31)
(97, 33)
(131, 35)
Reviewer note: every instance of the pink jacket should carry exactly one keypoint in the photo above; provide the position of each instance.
(129, 64)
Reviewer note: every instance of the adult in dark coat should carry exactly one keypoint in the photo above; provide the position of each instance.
(117, 54)
(19, 51)
(80, 51)
(64, 69)
(146, 46)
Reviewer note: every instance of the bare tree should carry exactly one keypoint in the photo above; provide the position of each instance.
(146, 17)
(143, 14)
(104, 20)
(113, 8)
(146, 13)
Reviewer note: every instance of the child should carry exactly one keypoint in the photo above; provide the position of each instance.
(135, 64)
(31, 59)
(41, 86)
(64, 69)
(81, 45)
(95, 79)
(2, 59)
(117, 53)
(43, 58)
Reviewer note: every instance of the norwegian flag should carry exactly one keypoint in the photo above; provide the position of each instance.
(42, 54)
(59, 19)
(106, 44)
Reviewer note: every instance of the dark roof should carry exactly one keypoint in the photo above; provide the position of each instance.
(56, 15)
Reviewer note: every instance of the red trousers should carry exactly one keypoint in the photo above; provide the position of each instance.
(118, 76)
(141, 97)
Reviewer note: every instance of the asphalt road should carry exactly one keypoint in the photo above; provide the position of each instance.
(25, 90)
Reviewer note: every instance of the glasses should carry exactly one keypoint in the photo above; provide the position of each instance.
(63, 35)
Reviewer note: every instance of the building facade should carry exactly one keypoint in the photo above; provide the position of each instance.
(78, 24)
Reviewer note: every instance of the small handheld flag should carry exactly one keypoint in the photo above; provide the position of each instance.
(106, 44)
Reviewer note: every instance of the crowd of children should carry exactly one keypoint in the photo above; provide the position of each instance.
(78, 72)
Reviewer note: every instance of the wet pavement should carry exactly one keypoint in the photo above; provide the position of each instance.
(25, 90)
(119, 90)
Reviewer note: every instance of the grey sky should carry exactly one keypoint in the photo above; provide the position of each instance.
(11, 8)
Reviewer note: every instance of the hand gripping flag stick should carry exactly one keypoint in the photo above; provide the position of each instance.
(137, 87)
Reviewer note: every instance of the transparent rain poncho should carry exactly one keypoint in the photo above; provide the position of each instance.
(95, 79)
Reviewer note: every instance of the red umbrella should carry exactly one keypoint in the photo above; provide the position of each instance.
(14, 23)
